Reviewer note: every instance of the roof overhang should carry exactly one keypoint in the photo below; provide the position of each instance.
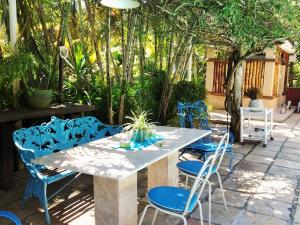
(287, 47)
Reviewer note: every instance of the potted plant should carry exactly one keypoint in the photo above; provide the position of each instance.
(255, 95)
(38, 86)
(140, 126)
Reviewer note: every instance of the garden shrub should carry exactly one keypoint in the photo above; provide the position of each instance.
(185, 91)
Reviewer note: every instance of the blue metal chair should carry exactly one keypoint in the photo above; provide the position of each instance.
(55, 136)
(10, 216)
(191, 168)
(178, 201)
(195, 115)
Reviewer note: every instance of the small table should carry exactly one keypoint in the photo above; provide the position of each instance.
(115, 170)
(258, 131)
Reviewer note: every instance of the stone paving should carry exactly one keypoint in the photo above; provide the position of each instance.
(263, 189)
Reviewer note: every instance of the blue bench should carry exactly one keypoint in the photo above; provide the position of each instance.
(48, 138)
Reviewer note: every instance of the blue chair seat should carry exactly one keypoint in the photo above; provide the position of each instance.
(52, 175)
(192, 167)
(207, 147)
(171, 198)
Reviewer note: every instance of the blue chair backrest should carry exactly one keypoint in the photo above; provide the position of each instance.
(58, 135)
(192, 115)
(10, 216)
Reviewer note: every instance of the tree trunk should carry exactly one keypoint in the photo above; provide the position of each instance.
(235, 114)
(81, 31)
(44, 25)
(126, 61)
(233, 88)
(95, 42)
(108, 77)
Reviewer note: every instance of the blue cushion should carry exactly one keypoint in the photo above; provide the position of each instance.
(207, 147)
(172, 199)
(192, 167)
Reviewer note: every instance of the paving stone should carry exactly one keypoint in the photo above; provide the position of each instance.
(226, 162)
(8, 197)
(247, 174)
(279, 138)
(284, 172)
(293, 140)
(269, 147)
(162, 219)
(291, 150)
(276, 143)
(14, 207)
(287, 163)
(233, 198)
(82, 182)
(219, 215)
(250, 218)
(277, 188)
(196, 222)
(246, 183)
(244, 149)
(270, 208)
(287, 156)
(260, 159)
(252, 166)
(19, 185)
(292, 145)
(224, 170)
(262, 152)
(297, 215)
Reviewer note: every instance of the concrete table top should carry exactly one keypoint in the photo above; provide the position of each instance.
(104, 158)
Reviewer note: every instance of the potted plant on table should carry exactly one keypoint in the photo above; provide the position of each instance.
(140, 126)
(255, 95)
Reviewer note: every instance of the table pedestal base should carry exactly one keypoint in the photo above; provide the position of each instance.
(115, 201)
(163, 172)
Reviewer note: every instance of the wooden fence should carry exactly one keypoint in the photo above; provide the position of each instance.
(253, 75)
(220, 70)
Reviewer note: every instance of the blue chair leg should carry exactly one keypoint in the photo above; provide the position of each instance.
(45, 204)
(41, 194)
(29, 191)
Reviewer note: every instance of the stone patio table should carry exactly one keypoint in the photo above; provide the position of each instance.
(115, 169)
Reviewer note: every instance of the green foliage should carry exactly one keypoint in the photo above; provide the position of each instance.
(254, 93)
(297, 75)
(16, 66)
(138, 122)
(246, 25)
(185, 91)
